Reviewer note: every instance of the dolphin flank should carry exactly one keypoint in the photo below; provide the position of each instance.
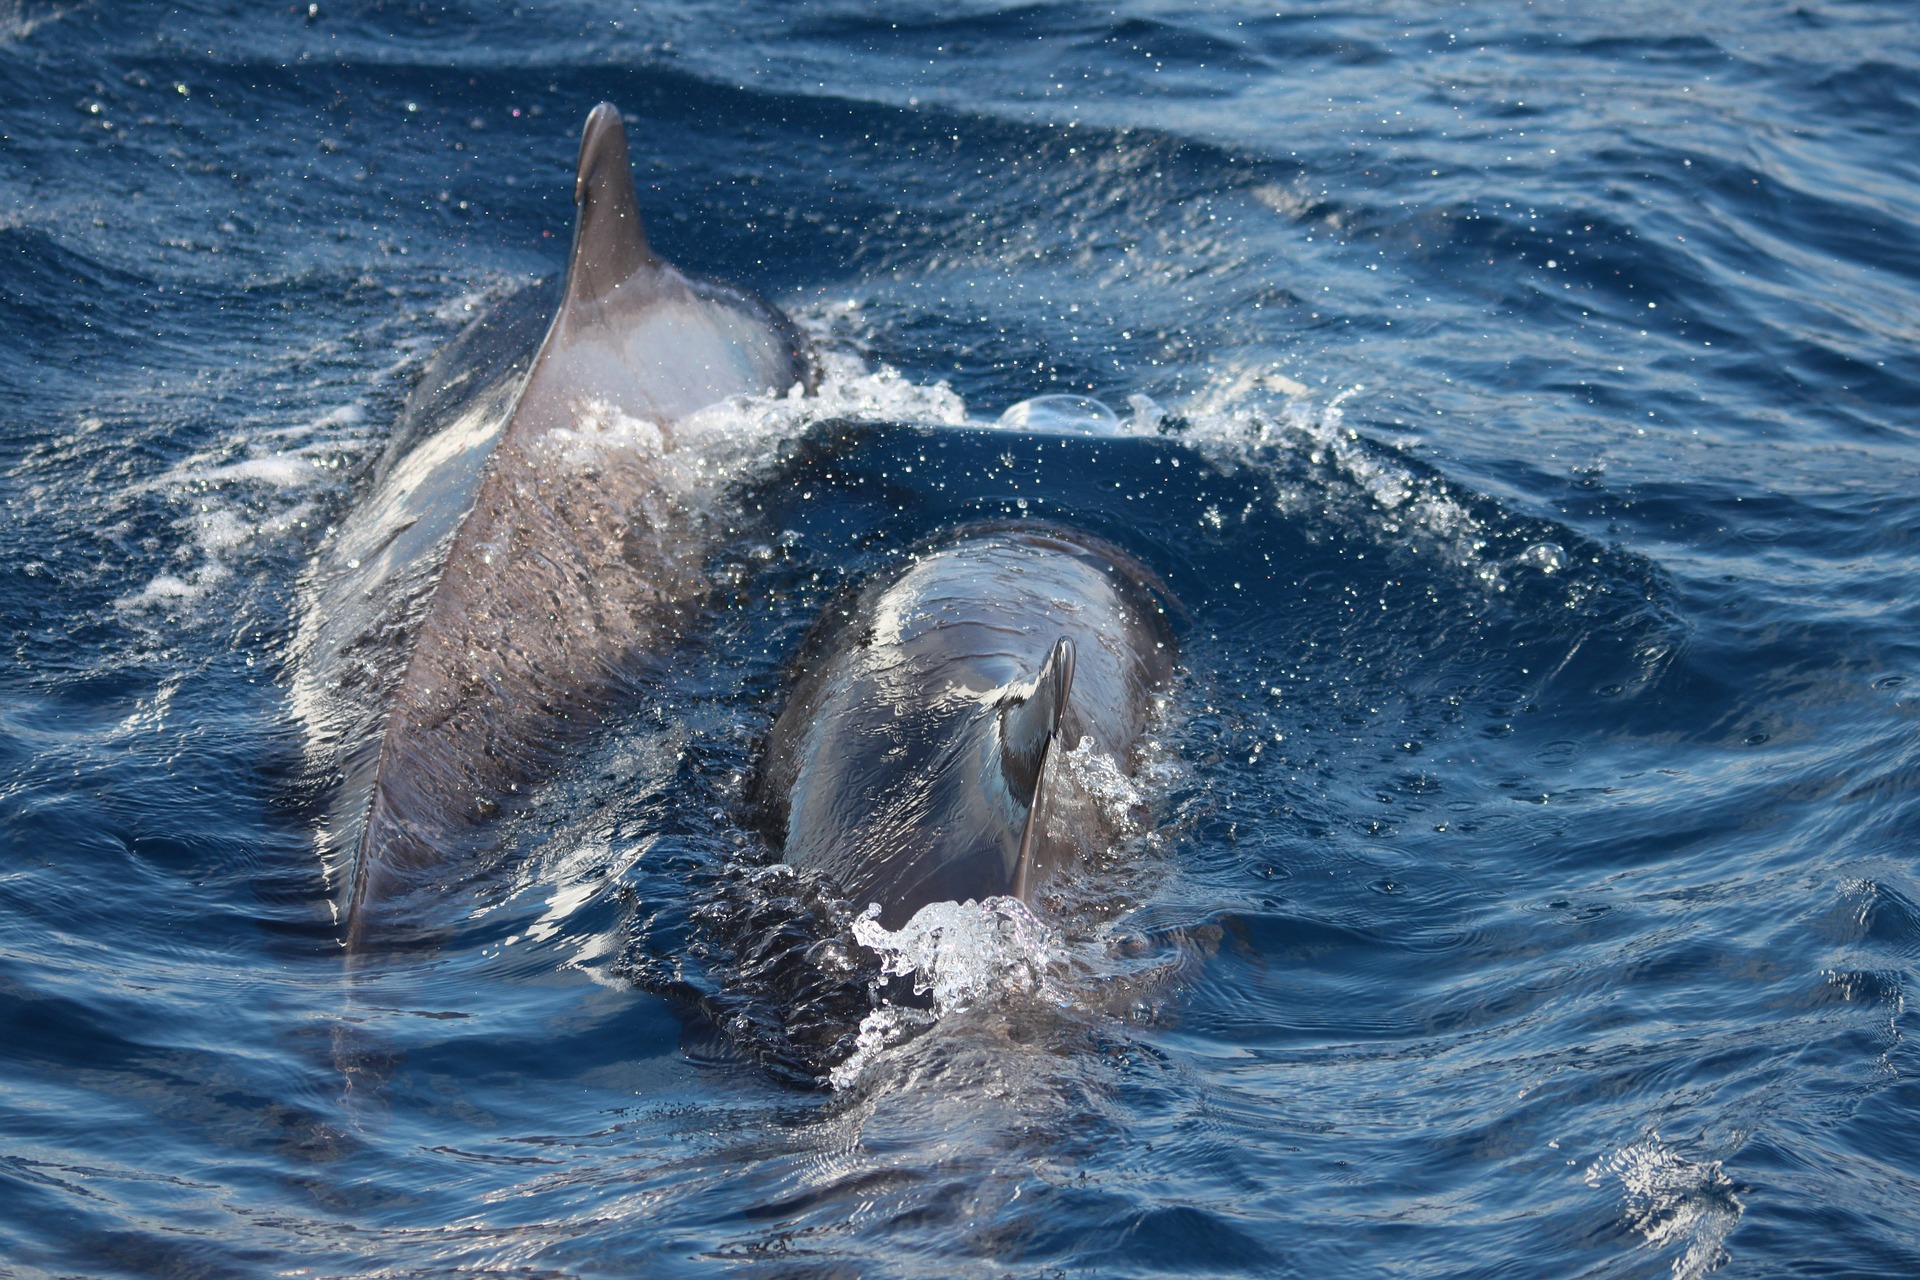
(520, 554)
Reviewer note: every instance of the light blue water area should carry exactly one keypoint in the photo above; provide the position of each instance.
(1530, 887)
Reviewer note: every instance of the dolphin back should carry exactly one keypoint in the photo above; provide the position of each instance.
(532, 538)
(916, 759)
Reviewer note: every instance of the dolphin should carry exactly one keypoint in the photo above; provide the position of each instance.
(921, 757)
(530, 539)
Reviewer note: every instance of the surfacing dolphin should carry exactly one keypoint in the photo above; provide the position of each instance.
(920, 757)
(520, 555)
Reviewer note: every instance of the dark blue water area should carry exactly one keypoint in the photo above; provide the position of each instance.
(1528, 434)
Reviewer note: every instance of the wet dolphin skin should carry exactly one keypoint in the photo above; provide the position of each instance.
(517, 558)
(920, 756)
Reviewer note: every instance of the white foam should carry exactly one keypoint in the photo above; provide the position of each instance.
(1102, 778)
(16, 25)
(1233, 423)
(850, 389)
(264, 479)
(260, 483)
(961, 954)
(745, 436)
(277, 470)
(169, 589)
(600, 429)
(1672, 1201)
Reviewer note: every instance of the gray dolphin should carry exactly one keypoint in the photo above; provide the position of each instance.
(520, 554)
(919, 758)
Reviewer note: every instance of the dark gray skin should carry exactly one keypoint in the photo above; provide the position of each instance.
(518, 560)
(919, 758)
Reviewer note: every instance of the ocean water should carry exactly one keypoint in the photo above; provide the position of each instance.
(1520, 399)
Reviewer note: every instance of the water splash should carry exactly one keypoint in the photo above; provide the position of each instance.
(1097, 774)
(268, 483)
(255, 486)
(961, 955)
(1322, 469)
(1672, 1201)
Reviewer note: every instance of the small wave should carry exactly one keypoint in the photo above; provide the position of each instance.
(20, 20)
(261, 483)
(1347, 475)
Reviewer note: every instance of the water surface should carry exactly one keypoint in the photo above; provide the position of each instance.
(1532, 882)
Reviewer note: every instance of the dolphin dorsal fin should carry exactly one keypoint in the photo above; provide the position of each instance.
(609, 244)
(1029, 720)
(633, 332)
(1028, 728)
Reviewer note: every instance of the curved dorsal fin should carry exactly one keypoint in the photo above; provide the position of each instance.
(609, 244)
(1029, 721)
(1028, 728)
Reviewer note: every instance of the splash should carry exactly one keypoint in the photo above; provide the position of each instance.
(1099, 776)
(1672, 1201)
(1321, 467)
(1320, 470)
(267, 483)
(745, 437)
(961, 955)
(254, 487)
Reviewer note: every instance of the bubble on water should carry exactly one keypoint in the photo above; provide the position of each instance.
(1072, 415)
(1547, 557)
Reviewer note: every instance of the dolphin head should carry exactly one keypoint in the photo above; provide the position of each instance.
(915, 758)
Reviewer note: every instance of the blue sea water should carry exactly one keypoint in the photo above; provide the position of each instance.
(1521, 401)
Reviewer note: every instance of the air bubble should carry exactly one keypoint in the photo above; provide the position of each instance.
(1063, 415)
(1547, 557)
